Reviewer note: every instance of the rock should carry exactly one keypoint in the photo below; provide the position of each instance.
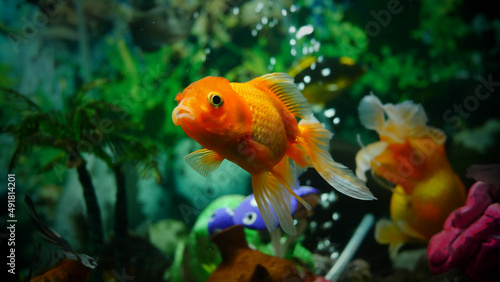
(240, 263)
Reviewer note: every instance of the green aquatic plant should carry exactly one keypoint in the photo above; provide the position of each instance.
(393, 65)
(442, 28)
(6, 79)
(481, 139)
(84, 126)
(340, 37)
(144, 85)
(443, 48)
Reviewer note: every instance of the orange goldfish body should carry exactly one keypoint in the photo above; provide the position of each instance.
(254, 125)
(411, 155)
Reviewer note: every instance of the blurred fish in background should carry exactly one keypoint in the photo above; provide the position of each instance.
(411, 155)
(322, 80)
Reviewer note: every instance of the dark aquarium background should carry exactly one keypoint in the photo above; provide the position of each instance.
(87, 91)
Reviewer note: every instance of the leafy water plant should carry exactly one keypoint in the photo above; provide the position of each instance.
(86, 126)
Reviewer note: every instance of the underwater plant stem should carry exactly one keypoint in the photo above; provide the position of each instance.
(128, 61)
(93, 211)
(234, 48)
(121, 219)
(301, 226)
(351, 248)
(95, 233)
(276, 242)
(83, 42)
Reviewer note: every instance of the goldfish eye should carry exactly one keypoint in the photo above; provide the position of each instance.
(215, 99)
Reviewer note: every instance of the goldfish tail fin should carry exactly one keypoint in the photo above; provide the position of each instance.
(273, 201)
(315, 140)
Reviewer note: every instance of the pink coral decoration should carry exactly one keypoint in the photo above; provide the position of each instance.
(470, 240)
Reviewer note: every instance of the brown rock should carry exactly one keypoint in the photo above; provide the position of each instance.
(240, 263)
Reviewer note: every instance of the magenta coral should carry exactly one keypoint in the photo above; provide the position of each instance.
(471, 237)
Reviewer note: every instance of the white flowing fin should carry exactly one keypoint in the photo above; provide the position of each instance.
(315, 139)
(273, 201)
(407, 112)
(366, 155)
(371, 112)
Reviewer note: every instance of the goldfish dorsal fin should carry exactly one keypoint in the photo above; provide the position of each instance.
(282, 85)
(204, 161)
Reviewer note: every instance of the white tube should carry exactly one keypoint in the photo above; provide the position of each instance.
(351, 248)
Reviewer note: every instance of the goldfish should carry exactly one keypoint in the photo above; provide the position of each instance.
(255, 125)
(411, 155)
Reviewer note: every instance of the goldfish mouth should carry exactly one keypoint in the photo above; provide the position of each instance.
(181, 112)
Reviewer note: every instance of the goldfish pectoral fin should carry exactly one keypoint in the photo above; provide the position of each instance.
(273, 201)
(387, 232)
(204, 161)
(283, 86)
(315, 140)
(287, 177)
